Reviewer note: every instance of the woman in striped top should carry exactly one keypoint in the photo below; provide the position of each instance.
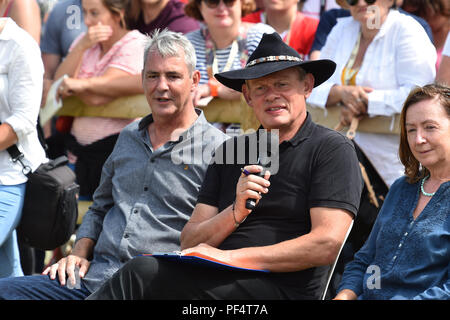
(223, 43)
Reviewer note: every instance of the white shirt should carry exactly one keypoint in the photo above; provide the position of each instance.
(311, 8)
(446, 50)
(400, 57)
(21, 76)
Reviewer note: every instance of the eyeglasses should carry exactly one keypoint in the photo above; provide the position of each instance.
(212, 4)
(354, 2)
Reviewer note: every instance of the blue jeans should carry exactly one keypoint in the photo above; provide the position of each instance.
(11, 203)
(39, 287)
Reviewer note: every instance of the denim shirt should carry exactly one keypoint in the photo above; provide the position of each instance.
(405, 258)
(145, 196)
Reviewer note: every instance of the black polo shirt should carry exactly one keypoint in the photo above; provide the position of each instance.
(318, 167)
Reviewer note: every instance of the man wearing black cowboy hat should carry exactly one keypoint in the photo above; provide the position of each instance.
(302, 212)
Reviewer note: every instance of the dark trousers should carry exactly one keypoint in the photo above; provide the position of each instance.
(152, 278)
(39, 287)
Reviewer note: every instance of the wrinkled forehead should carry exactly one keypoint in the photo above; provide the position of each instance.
(157, 63)
(427, 110)
(289, 73)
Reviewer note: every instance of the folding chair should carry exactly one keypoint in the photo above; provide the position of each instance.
(333, 266)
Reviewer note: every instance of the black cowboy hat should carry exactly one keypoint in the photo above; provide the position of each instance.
(273, 55)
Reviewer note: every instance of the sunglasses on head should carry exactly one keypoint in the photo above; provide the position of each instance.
(212, 4)
(354, 2)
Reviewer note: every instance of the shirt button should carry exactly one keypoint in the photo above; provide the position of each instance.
(395, 257)
(406, 233)
(152, 160)
(400, 245)
(126, 235)
(145, 188)
(135, 211)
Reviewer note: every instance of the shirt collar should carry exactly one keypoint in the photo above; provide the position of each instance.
(303, 133)
(7, 34)
(200, 121)
(390, 19)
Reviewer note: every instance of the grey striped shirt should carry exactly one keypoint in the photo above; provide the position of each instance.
(144, 198)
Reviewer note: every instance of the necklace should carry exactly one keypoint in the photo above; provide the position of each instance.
(348, 76)
(423, 191)
(237, 47)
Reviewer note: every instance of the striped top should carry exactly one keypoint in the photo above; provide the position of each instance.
(254, 35)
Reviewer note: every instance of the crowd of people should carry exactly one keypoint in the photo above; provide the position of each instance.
(376, 201)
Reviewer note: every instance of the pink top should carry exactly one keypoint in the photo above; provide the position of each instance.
(6, 13)
(439, 58)
(127, 55)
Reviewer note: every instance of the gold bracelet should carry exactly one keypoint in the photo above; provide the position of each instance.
(236, 223)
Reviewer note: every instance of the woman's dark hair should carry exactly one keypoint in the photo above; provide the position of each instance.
(134, 9)
(424, 8)
(413, 169)
(118, 8)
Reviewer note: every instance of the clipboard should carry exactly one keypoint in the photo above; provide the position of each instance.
(200, 259)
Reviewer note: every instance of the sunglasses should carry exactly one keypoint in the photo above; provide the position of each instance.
(212, 4)
(354, 2)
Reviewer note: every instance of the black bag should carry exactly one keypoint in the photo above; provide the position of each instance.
(368, 211)
(50, 209)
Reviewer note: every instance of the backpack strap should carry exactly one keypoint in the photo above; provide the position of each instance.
(17, 156)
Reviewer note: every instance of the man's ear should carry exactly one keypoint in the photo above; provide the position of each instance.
(246, 93)
(195, 80)
(309, 84)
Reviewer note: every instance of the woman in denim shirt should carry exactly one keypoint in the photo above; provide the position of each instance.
(407, 255)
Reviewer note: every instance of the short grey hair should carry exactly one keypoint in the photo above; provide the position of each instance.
(168, 43)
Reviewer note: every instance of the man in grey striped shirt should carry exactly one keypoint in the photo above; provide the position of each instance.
(149, 183)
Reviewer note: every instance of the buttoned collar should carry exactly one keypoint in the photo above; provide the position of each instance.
(7, 34)
(302, 134)
(200, 121)
(392, 16)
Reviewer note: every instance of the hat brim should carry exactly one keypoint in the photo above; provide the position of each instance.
(322, 70)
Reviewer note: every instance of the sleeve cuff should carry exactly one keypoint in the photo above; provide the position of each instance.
(334, 205)
(377, 105)
(89, 228)
(21, 128)
(319, 95)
